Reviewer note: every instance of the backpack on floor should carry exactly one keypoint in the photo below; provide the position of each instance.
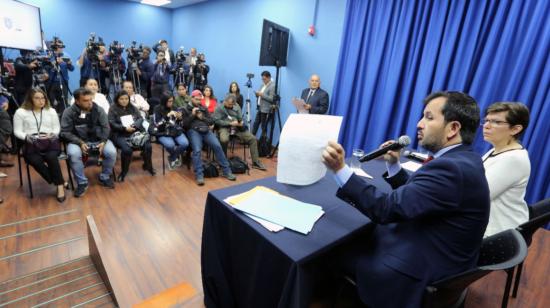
(210, 169)
(238, 165)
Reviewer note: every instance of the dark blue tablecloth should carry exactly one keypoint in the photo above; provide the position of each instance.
(245, 265)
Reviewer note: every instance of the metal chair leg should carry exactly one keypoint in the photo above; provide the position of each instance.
(506, 295)
(69, 173)
(20, 171)
(29, 180)
(518, 277)
(163, 161)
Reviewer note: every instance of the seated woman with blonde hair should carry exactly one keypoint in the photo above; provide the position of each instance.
(507, 165)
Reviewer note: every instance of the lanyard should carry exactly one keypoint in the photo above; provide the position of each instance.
(38, 126)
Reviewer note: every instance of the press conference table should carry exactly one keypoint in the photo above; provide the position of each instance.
(245, 265)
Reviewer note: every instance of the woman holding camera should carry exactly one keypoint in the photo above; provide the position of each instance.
(128, 133)
(235, 90)
(209, 100)
(170, 131)
(507, 165)
(37, 124)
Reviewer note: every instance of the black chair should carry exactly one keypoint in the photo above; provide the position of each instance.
(62, 156)
(502, 251)
(539, 216)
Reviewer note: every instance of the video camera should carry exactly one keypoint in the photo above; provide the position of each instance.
(134, 52)
(43, 61)
(56, 44)
(116, 49)
(249, 82)
(93, 47)
(180, 57)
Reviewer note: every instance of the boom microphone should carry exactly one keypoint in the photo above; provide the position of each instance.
(402, 142)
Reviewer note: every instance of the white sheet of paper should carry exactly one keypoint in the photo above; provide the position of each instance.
(145, 124)
(300, 105)
(127, 120)
(266, 224)
(302, 141)
(411, 165)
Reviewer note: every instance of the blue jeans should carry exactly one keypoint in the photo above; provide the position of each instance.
(196, 144)
(75, 158)
(169, 143)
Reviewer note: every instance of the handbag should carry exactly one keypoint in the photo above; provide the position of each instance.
(42, 143)
(137, 139)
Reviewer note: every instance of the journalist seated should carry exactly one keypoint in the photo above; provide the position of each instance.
(229, 120)
(85, 127)
(199, 126)
(183, 99)
(128, 133)
(37, 124)
(135, 98)
(169, 130)
(98, 98)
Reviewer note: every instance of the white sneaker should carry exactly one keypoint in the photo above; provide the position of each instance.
(172, 165)
(178, 162)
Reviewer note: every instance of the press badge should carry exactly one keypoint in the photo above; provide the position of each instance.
(83, 115)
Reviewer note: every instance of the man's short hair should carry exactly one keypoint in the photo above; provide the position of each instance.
(230, 96)
(147, 48)
(266, 74)
(462, 108)
(163, 41)
(78, 93)
(516, 114)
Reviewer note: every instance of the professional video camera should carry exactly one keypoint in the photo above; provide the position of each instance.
(56, 43)
(249, 82)
(134, 52)
(93, 47)
(116, 49)
(180, 57)
(43, 61)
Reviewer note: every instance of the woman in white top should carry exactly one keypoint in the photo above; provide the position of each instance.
(136, 99)
(35, 116)
(507, 165)
(99, 98)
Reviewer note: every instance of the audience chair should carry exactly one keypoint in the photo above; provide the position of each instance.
(539, 216)
(502, 251)
(62, 156)
(233, 139)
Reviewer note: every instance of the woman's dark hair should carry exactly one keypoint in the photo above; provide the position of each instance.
(164, 99)
(516, 114)
(28, 105)
(211, 91)
(462, 108)
(238, 89)
(119, 95)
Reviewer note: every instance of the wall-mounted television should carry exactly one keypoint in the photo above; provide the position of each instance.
(274, 47)
(20, 25)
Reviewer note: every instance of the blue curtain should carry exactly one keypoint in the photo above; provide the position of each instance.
(394, 53)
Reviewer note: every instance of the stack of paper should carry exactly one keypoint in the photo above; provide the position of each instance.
(275, 211)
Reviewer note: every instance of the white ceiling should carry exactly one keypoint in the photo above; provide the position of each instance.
(177, 3)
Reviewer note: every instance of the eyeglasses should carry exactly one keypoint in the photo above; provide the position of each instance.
(492, 122)
(39, 98)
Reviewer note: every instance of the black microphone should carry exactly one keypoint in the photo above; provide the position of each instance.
(402, 142)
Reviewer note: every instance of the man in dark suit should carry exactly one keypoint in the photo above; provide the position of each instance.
(316, 98)
(431, 225)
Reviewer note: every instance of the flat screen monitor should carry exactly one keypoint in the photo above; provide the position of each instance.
(20, 25)
(274, 47)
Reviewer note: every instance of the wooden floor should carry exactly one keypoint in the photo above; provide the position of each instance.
(152, 227)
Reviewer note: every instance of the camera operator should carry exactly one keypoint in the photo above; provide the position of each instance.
(191, 61)
(161, 76)
(199, 126)
(140, 69)
(200, 73)
(116, 66)
(85, 127)
(136, 99)
(28, 70)
(265, 103)
(58, 86)
(162, 45)
(229, 120)
(92, 61)
(181, 68)
(170, 130)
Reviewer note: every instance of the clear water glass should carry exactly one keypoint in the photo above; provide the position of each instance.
(355, 163)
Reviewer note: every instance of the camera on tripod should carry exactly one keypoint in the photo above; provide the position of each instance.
(116, 49)
(249, 82)
(135, 52)
(43, 61)
(56, 44)
(93, 47)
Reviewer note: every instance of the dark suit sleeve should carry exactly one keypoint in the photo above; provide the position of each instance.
(434, 189)
(322, 106)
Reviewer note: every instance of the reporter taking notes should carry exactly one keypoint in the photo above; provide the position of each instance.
(507, 165)
(428, 227)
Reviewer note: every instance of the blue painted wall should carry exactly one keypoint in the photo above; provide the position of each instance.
(229, 33)
(74, 20)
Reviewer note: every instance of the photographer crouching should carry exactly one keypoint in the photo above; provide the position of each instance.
(85, 127)
(229, 119)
